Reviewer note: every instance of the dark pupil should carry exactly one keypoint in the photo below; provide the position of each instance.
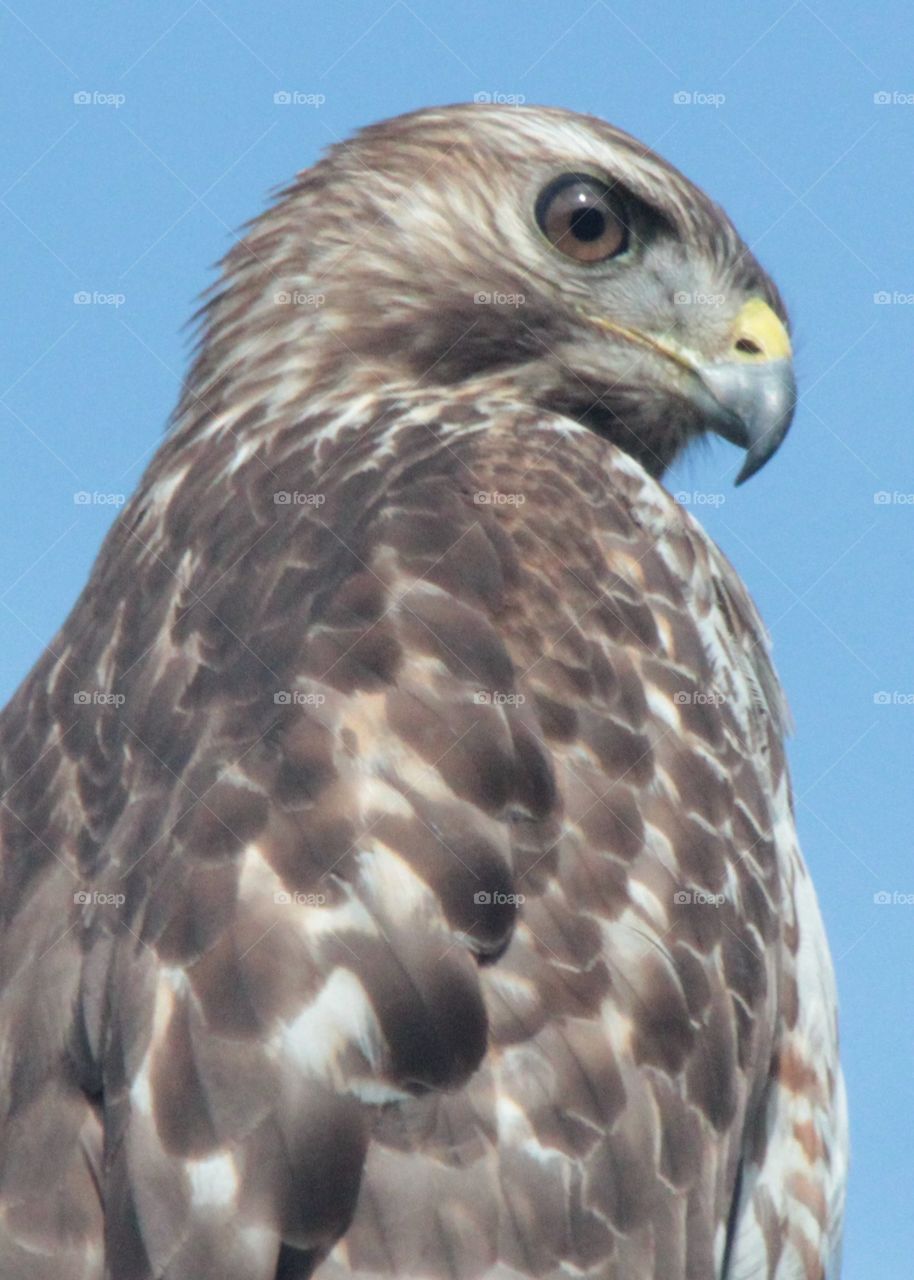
(587, 224)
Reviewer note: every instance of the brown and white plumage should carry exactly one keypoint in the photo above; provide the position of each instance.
(427, 902)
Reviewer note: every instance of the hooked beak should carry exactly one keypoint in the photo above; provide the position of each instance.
(754, 391)
(747, 397)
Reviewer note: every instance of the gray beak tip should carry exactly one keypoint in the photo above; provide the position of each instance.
(761, 397)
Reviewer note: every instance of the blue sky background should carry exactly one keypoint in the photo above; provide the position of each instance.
(130, 197)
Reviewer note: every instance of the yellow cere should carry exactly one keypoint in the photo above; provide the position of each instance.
(760, 329)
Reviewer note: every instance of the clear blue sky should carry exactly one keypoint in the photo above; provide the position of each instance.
(135, 193)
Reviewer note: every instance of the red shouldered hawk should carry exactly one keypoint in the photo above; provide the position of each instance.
(399, 870)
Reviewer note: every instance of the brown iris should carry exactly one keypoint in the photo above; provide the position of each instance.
(580, 216)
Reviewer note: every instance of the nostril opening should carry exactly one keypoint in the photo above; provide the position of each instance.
(748, 347)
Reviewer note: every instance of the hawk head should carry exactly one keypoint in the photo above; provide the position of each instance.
(531, 250)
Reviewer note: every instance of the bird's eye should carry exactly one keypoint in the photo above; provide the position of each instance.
(582, 218)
